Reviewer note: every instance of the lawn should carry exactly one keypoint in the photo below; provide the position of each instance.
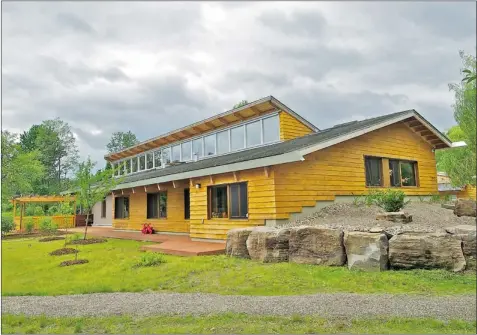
(28, 269)
(228, 324)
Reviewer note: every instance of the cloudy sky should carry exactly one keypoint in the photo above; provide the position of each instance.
(151, 67)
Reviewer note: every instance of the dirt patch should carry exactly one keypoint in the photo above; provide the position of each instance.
(51, 238)
(63, 251)
(89, 241)
(74, 262)
(20, 235)
(426, 217)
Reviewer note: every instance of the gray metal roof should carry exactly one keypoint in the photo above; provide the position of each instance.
(441, 187)
(266, 151)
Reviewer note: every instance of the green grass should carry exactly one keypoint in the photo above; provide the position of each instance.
(229, 323)
(28, 269)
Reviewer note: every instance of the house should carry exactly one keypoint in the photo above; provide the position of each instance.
(445, 188)
(102, 212)
(263, 164)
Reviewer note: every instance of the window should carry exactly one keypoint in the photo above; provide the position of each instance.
(157, 158)
(218, 201)
(186, 151)
(237, 138)
(166, 155)
(121, 208)
(209, 142)
(103, 208)
(402, 173)
(223, 142)
(149, 161)
(271, 129)
(116, 169)
(238, 200)
(197, 147)
(228, 201)
(176, 153)
(186, 203)
(142, 162)
(134, 164)
(254, 131)
(157, 205)
(128, 166)
(121, 168)
(373, 169)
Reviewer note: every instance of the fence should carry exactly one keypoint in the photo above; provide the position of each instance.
(63, 221)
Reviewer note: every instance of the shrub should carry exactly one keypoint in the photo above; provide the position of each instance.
(29, 210)
(435, 198)
(150, 259)
(390, 200)
(47, 226)
(53, 210)
(38, 211)
(7, 224)
(29, 226)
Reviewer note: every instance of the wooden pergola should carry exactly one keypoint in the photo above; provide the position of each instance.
(23, 200)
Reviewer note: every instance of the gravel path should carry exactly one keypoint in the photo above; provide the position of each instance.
(326, 305)
(426, 217)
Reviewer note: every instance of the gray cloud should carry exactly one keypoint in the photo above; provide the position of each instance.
(151, 67)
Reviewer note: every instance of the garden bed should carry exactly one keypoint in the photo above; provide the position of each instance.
(63, 251)
(51, 238)
(74, 262)
(88, 241)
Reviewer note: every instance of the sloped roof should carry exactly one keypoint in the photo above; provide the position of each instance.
(310, 142)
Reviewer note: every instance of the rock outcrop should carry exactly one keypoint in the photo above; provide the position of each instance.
(399, 217)
(464, 207)
(268, 245)
(426, 251)
(236, 244)
(316, 245)
(366, 251)
(467, 234)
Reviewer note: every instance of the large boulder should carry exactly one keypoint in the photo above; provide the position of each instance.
(464, 207)
(268, 245)
(467, 234)
(236, 244)
(399, 217)
(426, 251)
(316, 245)
(366, 251)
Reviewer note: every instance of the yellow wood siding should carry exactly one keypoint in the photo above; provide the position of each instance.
(339, 170)
(291, 128)
(467, 193)
(261, 203)
(175, 221)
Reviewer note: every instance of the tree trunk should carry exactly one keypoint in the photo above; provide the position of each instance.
(59, 174)
(86, 225)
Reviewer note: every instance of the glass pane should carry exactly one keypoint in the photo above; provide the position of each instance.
(243, 200)
(149, 160)
(152, 206)
(121, 168)
(115, 169)
(408, 177)
(222, 142)
(254, 134)
(157, 158)
(197, 147)
(186, 151)
(126, 207)
(134, 164)
(209, 145)
(142, 162)
(234, 201)
(373, 171)
(236, 137)
(163, 205)
(166, 155)
(176, 153)
(271, 129)
(394, 175)
(128, 166)
(219, 202)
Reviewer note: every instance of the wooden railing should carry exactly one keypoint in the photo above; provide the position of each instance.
(63, 221)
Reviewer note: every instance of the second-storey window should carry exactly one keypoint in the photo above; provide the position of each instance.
(149, 160)
(157, 205)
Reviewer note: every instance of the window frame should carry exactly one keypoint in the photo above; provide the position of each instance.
(129, 205)
(157, 194)
(387, 174)
(381, 172)
(103, 209)
(415, 170)
(229, 201)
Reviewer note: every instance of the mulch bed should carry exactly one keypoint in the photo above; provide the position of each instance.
(20, 235)
(88, 241)
(51, 238)
(74, 262)
(63, 251)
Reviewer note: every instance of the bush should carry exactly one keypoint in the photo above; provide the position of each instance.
(389, 200)
(29, 211)
(150, 259)
(7, 224)
(38, 211)
(53, 210)
(29, 226)
(47, 226)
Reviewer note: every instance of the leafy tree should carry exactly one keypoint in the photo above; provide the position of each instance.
(240, 104)
(28, 138)
(19, 169)
(121, 140)
(92, 188)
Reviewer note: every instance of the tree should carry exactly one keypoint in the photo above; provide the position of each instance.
(240, 104)
(460, 163)
(20, 170)
(92, 187)
(28, 138)
(121, 140)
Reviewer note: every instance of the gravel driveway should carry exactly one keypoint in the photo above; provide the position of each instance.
(326, 305)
